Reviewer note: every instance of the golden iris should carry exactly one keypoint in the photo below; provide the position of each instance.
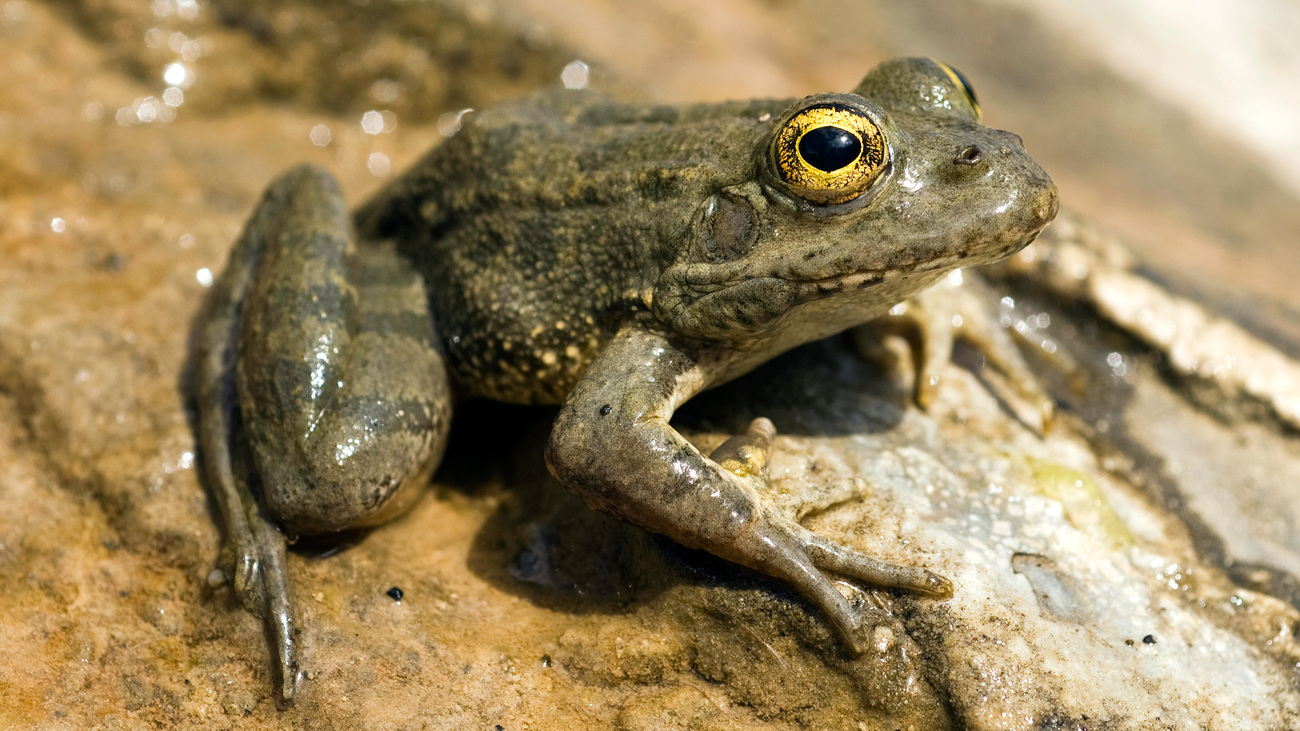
(829, 153)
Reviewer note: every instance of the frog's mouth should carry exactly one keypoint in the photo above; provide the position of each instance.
(822, 274)
(730, 300)
(811, 289)
(814, 288)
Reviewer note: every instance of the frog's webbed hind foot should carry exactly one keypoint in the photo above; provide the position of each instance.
(961, 306)
(252, 562)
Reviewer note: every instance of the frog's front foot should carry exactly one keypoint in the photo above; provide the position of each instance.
(781, 547)
(962, 306)
(788, 551)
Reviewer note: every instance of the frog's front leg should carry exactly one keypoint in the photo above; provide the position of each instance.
(962, 305)
(612, 444)
(322, 356)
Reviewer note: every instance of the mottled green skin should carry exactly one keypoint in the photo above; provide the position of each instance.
(617, 259)
(543, 226)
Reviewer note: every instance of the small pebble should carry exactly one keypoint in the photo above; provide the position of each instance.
(395, 594)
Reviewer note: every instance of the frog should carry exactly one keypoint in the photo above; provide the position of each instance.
(609, 258)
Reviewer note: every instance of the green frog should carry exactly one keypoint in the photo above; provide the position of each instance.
(612, 258)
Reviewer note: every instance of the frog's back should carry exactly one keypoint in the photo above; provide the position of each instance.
(541, 226)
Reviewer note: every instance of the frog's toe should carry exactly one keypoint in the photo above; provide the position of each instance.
(1046, 407)
(800, 557)
(831, 556)
(276, 608)
(239, 567)
(253, 564)
(746, 455)
(223, 569)
(785, 559)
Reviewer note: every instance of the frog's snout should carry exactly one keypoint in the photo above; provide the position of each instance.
(1015, 139)
(1043, 198)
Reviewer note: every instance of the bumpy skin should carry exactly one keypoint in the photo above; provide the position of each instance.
(617, 259)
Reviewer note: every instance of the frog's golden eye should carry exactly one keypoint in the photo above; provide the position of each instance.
(962, 83)
(829, 153)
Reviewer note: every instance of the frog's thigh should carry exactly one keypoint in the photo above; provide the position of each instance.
(342, 389)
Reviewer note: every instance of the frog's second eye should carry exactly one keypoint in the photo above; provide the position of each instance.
(964, 84)
(828, 153)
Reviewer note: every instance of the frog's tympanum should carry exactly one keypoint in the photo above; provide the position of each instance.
(615, 259)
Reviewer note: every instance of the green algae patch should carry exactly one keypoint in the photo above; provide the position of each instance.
(1081, 498)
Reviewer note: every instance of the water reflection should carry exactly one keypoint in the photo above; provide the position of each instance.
(145, 110)
(575, 75)
(176, 75)
(386, 91)
(378, 164)
(449, 123)
(187, 9)
(320, 135)
(375, 122)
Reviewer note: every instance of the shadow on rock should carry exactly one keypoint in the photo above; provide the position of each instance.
(824, 388)
(546, 545)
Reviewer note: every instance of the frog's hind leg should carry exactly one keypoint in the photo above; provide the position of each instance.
(329, 353)
(252, 559)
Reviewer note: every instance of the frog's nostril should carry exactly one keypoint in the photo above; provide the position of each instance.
(968, 155)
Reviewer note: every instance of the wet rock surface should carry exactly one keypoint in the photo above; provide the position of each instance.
(1134, 568)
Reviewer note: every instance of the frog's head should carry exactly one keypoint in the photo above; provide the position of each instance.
(853, 203)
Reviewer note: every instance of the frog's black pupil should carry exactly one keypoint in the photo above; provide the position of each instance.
(829, 148)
